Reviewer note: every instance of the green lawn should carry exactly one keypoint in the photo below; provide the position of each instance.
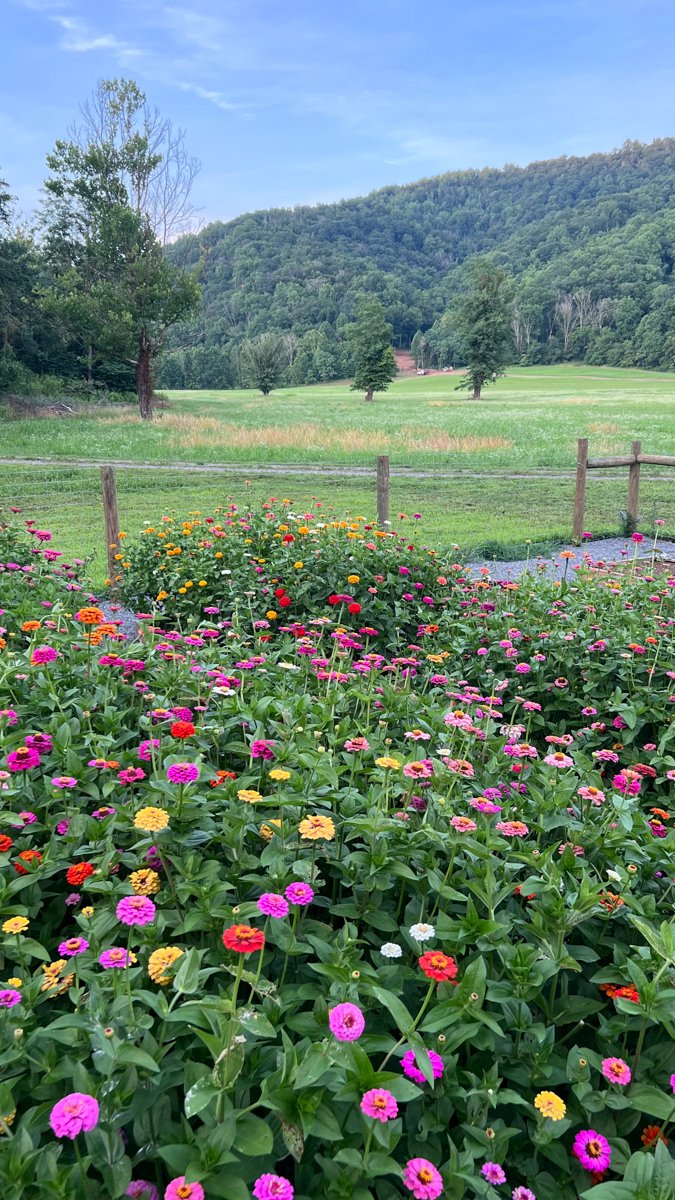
(529, 422)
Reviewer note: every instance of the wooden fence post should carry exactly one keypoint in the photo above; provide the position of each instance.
(633, 488)
(580, 493)
(112, 521)
(382, 489)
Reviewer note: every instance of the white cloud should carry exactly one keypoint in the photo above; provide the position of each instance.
(80, 39)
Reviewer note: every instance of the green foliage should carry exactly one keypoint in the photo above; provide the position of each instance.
(263, 361)
(600, 226)
(483, 326)
(369, 339)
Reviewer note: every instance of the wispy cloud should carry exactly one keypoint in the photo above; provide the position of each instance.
(213, 97)
(79, 38)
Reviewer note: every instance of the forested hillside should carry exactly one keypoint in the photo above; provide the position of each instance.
(587, 242)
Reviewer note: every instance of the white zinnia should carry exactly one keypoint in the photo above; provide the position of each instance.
(422, 932)
(391, 950)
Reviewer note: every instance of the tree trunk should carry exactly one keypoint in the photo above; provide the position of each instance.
(476, 393)
(144, 387)
(369, 395)
(90, 363)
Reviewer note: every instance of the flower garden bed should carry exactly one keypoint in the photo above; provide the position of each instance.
(353, 878)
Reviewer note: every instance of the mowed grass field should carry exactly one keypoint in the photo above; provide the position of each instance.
(527, 423)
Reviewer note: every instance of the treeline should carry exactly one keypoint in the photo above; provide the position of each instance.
(587, 243)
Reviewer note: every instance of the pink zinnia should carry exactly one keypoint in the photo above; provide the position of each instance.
(558, 759)
(522, 1193)
(75, 1114)
(262, 749)
(9, 997)
(422, 1179)
(178, 1189)
(410, 1068)
(380, 1104)
(131, 775)
(146, 748)
(299, 893)
(593, 1151)
(117, 957)
(493, 1173)
(485, 806)
(65, 782)
(356, 744)
(512, 828)
(272, 1187)
(23, 759)
(182, 772)
(616, 1070)
(463, 824)
(346, 1021)
(273, 905)
(135, 910)
(73, 946)
(43, 654)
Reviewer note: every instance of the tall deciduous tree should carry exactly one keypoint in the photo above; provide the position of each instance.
(483, 321)
(369, 339)
(264, 359)
(118, 190)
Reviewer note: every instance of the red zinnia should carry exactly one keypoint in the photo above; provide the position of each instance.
(182, 729)
(437, 965)
(29, 856)
(5, 843)
(354, 608)
(243, 938)
(79, 872)
(284, 601)
(279, 592)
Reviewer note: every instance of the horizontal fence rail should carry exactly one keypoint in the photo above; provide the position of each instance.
(633, 461)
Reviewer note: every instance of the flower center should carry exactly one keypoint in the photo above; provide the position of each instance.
(594, 1149)
(380, 1102)
(425, 1175)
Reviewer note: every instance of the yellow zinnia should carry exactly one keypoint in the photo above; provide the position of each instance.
(249, 795)
(144, 882)
(15, 925)
(550, 1105)
(315, 827)
(387, 764)
(266, 830)
(150, 820)
(279, 775)
(160, 961)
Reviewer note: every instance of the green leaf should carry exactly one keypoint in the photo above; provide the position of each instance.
(199, 1097)
(610, 1191)
(136, 1057)
(394, 1007)
(186, 978)
(644, 1098)
(253, 1137)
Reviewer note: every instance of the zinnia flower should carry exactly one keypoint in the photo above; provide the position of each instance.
(347, 1022)
(135, 910)
(272, 1187)
(593, 1150)
(411, 1069)
(493, 1173)
(243, 938)
(316, 827)
(422, 1179)
(249, 795)
(145, 882)
(522, 1193)
(299, 893)
(141, 1189)
(391, 950)
(9, 997)
(75, 1114)
(616, 1070)
(380, 1104)
(116, 958)
(73, 946)
(23, 759)
(438, 966)
(178, 1189)
(273, 905)
(182, 729)
(151, 820)
(550, 1105)
(422, 932)
(160, 961)
(182, 772)
(79, 872)
(15, 925)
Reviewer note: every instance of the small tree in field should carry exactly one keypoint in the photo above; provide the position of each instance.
(369, 340)
(264, 360)
(483, 322)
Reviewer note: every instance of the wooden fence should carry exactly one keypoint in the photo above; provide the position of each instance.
(633, 461)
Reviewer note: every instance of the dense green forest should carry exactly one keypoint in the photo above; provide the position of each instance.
(587, 246)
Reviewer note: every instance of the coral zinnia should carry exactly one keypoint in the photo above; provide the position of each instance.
(438, 966)
(243, 938)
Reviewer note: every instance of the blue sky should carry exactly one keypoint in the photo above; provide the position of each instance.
(301, 101)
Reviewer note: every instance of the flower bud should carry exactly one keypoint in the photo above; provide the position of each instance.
(356, 974)
(109, 1031)
(18, 1034)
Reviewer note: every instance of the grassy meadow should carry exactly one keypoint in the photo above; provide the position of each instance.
(528, 422)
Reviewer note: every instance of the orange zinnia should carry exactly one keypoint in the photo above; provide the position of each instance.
(90, 615)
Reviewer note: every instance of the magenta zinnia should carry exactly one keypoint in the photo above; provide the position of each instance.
(616, 1070)
(135, 910)
(380, 1104)
(272, 1187)
(347, 1022)
(74, 1114)
(422, 1179)
(593, 1151)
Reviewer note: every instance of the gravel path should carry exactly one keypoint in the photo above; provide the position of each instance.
(604, 550)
